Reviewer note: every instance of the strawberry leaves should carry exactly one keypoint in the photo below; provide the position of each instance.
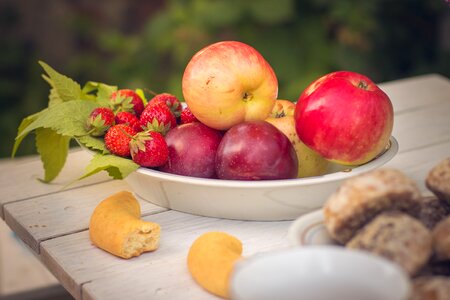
(69, 108)
(66, 118)
(53, 148)
(117, 167)
(65, 88)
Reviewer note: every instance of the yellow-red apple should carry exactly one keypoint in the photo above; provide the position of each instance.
(227, 83)
(345, 117)
(310, 163)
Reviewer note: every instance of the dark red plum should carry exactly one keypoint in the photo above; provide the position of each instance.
(255, 150)
(192, 150)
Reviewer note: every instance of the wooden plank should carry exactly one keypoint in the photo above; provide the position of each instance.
(49, 216)
(424, 127)
(75, 261)
(19, 180)
(417, 92)
(20, 270)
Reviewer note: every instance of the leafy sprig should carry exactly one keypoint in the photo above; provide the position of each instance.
(69, 106)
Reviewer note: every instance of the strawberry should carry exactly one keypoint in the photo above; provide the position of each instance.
(99, 121)
(170, 100)
(117, 139)
(149, 149)
(127, 100)
(126, 117)
(187, 116)
(157, 117)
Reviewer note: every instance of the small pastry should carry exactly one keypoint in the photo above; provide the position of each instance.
(116, 227)
(438, 180)
(441, 240)
(361, 198)
(430, 288)
(432, 211)
(397, 237)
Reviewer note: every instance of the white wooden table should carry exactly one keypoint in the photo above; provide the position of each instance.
(54, 222)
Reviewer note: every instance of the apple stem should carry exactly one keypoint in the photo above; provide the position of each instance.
(362, 85)
(247, 97)
(280, 115)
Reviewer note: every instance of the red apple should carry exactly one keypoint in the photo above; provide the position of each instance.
(192, 150)
(255, 150)
(310, 163)
(345, 117)
(228, 83)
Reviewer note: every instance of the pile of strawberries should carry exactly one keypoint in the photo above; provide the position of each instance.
(132, 129)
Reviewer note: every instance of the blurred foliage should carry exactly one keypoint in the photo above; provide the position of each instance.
(302, 40)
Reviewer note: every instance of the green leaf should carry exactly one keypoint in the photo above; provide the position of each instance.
(66, 88)
(93, 143)
(53, 148)
(104, 94)
(100, 92)
(20, 131)
(53, 98)
(117, 167)
(66, 118)
(141, 94)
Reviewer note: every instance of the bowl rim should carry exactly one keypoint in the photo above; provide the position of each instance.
(390, 151)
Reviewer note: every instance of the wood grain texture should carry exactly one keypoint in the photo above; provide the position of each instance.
(20, 180)
(425, 127)
(78, 262)
(417, 92)
(62, 213)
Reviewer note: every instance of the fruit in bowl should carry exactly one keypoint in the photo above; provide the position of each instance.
(255, 150)
(230, 89)
(192, 150)
(310, 163)
(227, 83)
(345, 117)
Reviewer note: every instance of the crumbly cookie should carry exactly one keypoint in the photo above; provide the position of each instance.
(438, 180)
(116, 226)
(397, 237)
(441, 240)
(430, 288)
(432, 211)
(361, 198)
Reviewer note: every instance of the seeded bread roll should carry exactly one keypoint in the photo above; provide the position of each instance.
(438, 180)
(361, 198)
(432, 211)
(430, 288)
(116, 227)
(397, 237)
(441, 240)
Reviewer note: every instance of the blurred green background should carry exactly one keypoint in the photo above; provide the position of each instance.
(147, 44)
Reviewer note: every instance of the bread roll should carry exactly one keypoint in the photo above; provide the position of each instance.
(361, 198)
(116, 227)
(441, 240)
(438, 180)
(432, 211)
(397, 237)
(430, 288)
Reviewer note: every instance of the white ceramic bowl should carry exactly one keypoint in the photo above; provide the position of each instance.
(245, 200)
(318, 273)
